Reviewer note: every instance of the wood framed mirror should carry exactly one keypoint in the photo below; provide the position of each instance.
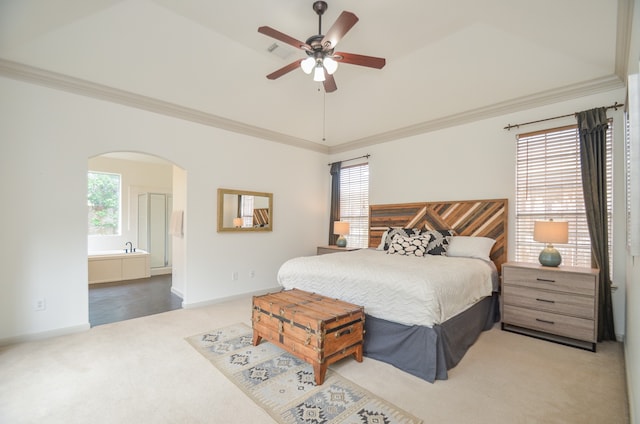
(242, 210)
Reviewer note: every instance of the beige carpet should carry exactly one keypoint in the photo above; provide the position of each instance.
(143, 371)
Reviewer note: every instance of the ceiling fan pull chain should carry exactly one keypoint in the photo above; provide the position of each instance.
(324, 115)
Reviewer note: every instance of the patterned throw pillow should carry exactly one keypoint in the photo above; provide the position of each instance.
(409, 246)
(405, 232)
(439, 242)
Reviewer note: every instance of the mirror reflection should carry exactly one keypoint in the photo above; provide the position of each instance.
(241, 210)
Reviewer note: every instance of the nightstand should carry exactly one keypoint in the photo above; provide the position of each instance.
(557, 304)
(323, 250)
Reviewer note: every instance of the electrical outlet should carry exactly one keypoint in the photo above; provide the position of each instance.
(252, 273)
(39, 305)
(234, 275)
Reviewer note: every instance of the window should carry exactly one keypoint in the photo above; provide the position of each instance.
(627, 179)
(246, 210)
(354, 203)
(549, 186)
(632, 165)
(103, 201)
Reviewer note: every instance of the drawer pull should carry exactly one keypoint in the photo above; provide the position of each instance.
(545, 300)
(545, 321)
(345, 331)
(546, 280)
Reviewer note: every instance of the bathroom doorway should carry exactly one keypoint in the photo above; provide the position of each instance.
(141, 228)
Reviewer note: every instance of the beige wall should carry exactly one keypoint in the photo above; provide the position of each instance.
(48, 137)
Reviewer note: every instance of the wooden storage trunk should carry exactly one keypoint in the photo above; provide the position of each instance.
(315, 328)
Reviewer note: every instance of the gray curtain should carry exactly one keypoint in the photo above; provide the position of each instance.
(334, 214)
(592, 127)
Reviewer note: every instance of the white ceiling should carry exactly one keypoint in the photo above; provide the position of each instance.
(446, 61)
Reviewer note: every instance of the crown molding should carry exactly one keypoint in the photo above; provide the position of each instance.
(82, 87)
(611, 82)
(623, 38)
(27, 73)
(544, 98)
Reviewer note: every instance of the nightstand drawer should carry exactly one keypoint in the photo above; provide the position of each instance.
(551, 280)
(562, 325)
(556, 302)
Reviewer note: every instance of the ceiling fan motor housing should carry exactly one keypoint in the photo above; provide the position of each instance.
(315, 41)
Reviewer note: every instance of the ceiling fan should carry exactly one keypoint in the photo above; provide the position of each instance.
(321, 59)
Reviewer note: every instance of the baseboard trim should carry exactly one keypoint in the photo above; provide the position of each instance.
(186, 305)
(45, 334)
(177, 292)
(631, 396)
(161, 271)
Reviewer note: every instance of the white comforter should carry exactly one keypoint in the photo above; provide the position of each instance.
(405, 289)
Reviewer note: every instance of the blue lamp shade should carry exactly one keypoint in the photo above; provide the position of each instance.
(341, 228)
(551, 232)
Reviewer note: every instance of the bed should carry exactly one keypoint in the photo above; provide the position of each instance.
(423, 311)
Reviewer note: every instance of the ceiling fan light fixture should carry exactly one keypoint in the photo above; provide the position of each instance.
(330, 65)
(318, 73)
(308, 64)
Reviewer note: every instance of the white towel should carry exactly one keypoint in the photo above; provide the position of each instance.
(176, 229)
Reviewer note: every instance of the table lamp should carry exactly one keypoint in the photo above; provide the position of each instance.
(341, 228)
(237, 222)
(550, 232)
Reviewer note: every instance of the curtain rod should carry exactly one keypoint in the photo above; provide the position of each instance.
(347, 160)
(614, 106)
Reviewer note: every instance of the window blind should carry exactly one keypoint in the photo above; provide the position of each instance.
(627, 177)
(549, 186)
(246, 210)
(354, 203)
(632, 162)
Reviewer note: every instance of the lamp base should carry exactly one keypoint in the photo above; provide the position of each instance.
(341, 242)
(550, 256)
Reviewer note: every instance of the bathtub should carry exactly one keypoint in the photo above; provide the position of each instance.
(116, 265)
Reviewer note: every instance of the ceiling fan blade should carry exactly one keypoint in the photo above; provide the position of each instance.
(285, 70)
(340, 27)
(358, 59)
(329, 83)
(274, 33)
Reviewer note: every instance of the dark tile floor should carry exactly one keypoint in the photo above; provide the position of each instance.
(112, 302)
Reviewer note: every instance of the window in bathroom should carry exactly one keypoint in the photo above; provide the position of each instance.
(103, 203)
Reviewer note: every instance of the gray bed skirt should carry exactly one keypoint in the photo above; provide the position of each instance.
(427, 352)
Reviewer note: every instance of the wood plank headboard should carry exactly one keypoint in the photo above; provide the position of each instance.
(486, 218)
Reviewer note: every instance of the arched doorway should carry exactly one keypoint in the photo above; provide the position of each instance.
(141, 239)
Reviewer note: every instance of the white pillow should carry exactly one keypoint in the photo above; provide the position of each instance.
(471, 247)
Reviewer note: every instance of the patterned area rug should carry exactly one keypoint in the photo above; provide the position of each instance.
(284, 386)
